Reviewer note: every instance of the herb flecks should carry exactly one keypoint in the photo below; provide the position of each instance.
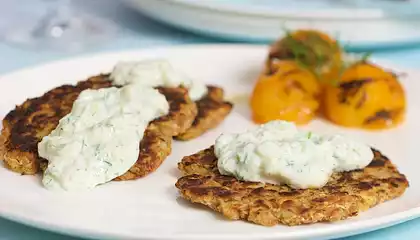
(365, 57)
(109, 164)
(346, 64)
(313, 51)
(310, 50)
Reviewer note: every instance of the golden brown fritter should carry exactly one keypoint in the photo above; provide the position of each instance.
(28, 123)
(212, 110)
(154, 148)
(345, 195)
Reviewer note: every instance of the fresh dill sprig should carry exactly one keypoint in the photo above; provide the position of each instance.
(299, 51)
(365, 57)
(340, 73)
(312, 52)
(110, 164)
(345, 65)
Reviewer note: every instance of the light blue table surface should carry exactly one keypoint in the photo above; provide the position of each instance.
(136, 31)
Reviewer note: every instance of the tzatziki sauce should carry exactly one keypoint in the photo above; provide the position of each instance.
(154, 73)
(277, 152)
(99, 139)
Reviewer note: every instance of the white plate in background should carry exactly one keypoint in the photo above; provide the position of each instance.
(360, 24)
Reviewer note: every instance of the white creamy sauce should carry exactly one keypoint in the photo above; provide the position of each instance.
(277, 152)
(155, 73)
(99, 139)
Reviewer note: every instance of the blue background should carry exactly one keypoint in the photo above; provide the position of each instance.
(136, 31)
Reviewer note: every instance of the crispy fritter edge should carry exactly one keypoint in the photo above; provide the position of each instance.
(21, 158)
(268, 204)
(212, 110)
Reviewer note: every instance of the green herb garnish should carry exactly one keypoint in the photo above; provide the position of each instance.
(365, 57)
(110, 164)
(312, 52)
(345, 65)
(316, 54)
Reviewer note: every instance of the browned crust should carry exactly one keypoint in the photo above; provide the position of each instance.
(202, 163)
(157, 140)
(154, 148)
(212, 110)
(345, 195)
(25, 126)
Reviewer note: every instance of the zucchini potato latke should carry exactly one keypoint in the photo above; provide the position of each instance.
(26, 125)
(345, 195)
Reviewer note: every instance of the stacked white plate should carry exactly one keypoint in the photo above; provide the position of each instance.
(362, 24)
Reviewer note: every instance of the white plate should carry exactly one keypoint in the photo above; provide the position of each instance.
(150, 207)
(384, 24)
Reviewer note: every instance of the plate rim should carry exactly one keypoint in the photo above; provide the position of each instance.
(364, 225)
(227, 12)
(337, 14)
(380, 223)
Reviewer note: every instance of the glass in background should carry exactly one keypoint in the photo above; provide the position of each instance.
(51, 24)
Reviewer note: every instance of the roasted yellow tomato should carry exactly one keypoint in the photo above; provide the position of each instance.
(366, 96)
(288, 93)
(313, 49)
